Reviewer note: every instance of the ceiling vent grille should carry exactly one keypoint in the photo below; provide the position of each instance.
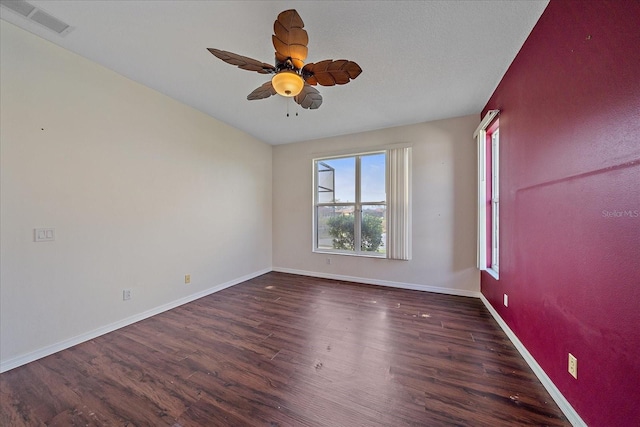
(49, 21)
(21, 7)
(38, 16)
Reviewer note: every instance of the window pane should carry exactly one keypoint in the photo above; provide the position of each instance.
(344, 175)
(374, 229)
(372, 182)
(326, 183)
(335, 227)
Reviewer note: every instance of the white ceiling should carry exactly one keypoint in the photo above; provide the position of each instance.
(421, 60)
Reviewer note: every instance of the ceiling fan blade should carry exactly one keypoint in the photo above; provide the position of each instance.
(264, 91)
(243, 62)
(309, 98)
(290, 39)
(330, 72)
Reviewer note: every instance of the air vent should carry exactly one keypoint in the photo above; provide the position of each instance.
(21, 7)
(49, 21)
(38, 16)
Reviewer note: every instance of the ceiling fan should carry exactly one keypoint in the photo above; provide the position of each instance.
(292, 78)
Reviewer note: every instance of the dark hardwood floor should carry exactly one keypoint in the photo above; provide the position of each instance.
(286, 350)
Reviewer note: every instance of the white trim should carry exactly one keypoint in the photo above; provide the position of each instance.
(556, 395)
(485, 121)
(62, 345)
(493, 273)
(482, 196)
(495, 202)
(351, 253)
(364, 150)
(480, 137)
(368, 281)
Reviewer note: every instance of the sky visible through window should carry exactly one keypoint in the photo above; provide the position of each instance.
(372, 180)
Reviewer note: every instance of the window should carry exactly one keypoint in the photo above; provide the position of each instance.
(351, 204)
(494, 205)
(361, 204)
(488, 140)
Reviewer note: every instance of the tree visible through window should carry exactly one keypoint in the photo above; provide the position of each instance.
(351, 204)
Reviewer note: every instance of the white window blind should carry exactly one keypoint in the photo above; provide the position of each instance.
(399, 204)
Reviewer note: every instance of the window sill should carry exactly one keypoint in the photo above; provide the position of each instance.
(360, 255)
(493, 273)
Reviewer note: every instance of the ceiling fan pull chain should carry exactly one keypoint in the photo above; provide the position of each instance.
(296, 107)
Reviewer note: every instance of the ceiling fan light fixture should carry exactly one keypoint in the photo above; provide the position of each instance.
(287, 83)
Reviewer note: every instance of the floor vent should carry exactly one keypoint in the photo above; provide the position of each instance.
(36, 15)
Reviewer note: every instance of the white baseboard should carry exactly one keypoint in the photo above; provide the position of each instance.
(413, 286)
(557, 396)
(62, 345)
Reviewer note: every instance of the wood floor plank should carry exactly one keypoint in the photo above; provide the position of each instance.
(287, 350)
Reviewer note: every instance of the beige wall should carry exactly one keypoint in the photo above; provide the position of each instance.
(141, 190)
(443, 211)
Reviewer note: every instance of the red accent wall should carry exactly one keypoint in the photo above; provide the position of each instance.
(570, 203)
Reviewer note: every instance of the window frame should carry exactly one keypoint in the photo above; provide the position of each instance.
(493, 138)
(357, 204)
(487, 136)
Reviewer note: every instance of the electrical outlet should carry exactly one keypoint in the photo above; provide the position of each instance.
(573, 366)
(126, 294)
(187, 279)
(506, 300)
(44, 234)
(328, 260)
